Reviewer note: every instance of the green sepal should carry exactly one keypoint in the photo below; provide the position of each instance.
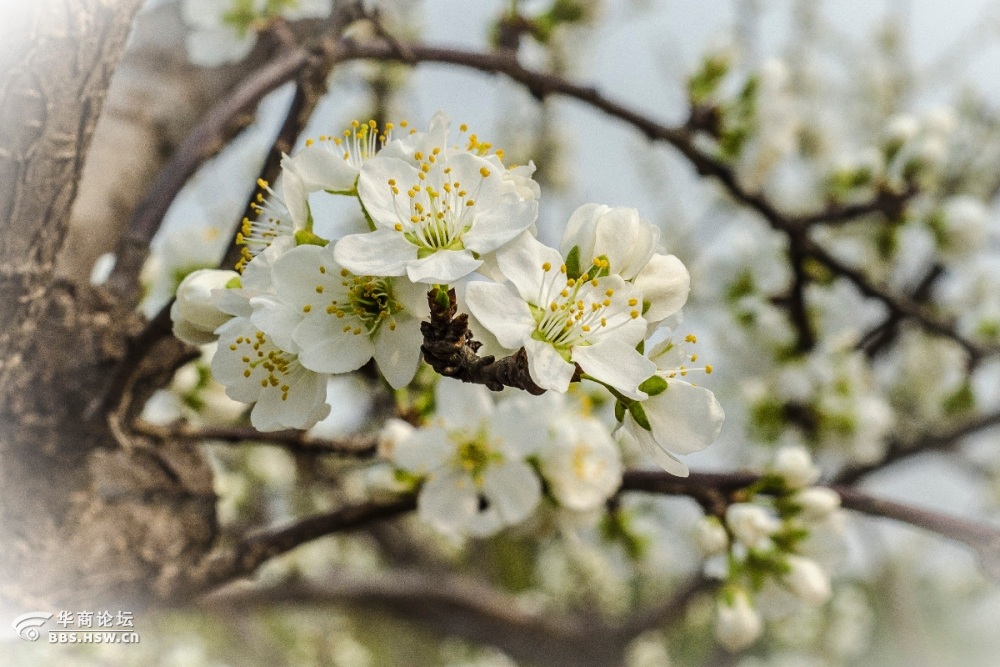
(573, 263)
(641, 347)
(306, 237)
(639, 415)
(442, 298)
(619, 411)
(234, 283)
(654, 385)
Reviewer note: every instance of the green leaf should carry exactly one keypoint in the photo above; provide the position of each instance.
(654, 385)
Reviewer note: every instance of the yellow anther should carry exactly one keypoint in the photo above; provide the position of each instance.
(691, 338)
(306, 308)
(547, 266)
(463, 127)
(708, 368)
(398, 227)
(633, 302)
(634, 314)
(484, 172)
(309, 142)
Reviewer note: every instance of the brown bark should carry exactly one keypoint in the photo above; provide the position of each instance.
(84, 515)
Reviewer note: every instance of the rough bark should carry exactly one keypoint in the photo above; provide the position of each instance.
(84, 515)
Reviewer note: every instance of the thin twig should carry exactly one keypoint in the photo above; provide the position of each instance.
(931, 442)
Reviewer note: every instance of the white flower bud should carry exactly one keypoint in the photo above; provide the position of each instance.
(966, 220)
(619, 234)
(751, 524)
(807, 580)
(900, 129)
(394, 431)
(816, 502)
(738, 625)
(710, 536)
(194, 314)
(795, 465)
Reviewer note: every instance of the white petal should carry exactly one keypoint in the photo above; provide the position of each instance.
(293, 194)
(547, 367)
(383, 252)
(580, 230)
(501, 312)
(684, 418)
(496, 225)
(376, 194)
(322, 168)
(425, 451)
(303, 407)
(327, 348)
(277, 319)
(665, 284)
(397, 352)
(627, 240)
(520, 425)
(616, 363)
(443, 266)
(461, 406)
(522, 261)
(632, 432)
(448, 502)
(512, 489)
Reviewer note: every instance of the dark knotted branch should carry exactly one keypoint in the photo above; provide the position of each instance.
(931, 442)
(204, 141)
(798, 309)
(242, 559)
(450, 350)
(299, 442)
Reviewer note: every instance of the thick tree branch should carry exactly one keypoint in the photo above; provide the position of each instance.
(299, 442)
(242, 559)
(458, 605)
(207, 138)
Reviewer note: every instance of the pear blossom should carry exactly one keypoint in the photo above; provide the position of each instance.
(710, 536)
(807, 580)
(336, 321)
(472, 458)
(436, 211)
(255, 370)
(600, 240)
(738, 624)
(279, 216)
(677, 417)
(194, 314)
(751, 525)
(816, 503)
(795, 466)
(333, 163)
(562, 322)
(581, 463)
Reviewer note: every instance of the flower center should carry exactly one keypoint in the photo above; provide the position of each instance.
(368, 299)
(571, 311)
(436, 216)
(273, 220)
(360, 142)
(476, 455)
(260, 355)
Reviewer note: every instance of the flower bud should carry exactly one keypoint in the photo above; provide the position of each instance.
(738, 625)
(194, 314)
(751, 524)
(816, 502)
(619, 234)
(710, 536)
(807, 580)
(795, 466)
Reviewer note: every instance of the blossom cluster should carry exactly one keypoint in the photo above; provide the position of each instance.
(774, 550)
(448, 213)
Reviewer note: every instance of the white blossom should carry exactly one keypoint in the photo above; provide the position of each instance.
(471, 457)
(581, 463)
(817, 503)
(710, 536)
(807, 580)
(795, 466)
(562, 321)
(751, 524)
(436, 211)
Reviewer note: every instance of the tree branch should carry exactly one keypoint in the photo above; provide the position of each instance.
(299, 442)
(935, 441)
(451, 351)
(242, 559)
